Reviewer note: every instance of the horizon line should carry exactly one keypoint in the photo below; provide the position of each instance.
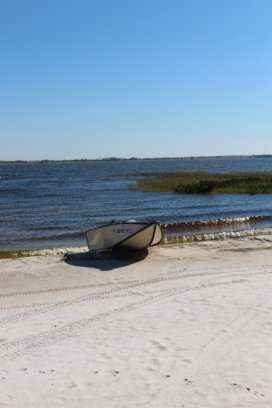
(138, 158)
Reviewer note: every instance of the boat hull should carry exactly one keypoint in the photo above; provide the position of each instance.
(132, 235)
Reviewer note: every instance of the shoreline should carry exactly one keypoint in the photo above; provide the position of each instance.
(187, 325)
(169, 239)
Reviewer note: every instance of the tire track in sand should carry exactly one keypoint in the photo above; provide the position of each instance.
(26, 345)
(117, 288)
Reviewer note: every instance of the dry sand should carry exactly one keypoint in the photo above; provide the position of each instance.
(188, 326)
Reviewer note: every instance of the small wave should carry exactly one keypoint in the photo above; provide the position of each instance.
(51, 227)
(218, 236)
(10, 176)
(215, 222)
(11, 190)
(57, 236)
(41, 252)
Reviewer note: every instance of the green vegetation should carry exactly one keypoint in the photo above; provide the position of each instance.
(206, 183)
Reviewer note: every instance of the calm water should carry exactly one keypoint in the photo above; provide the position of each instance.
(44, 205)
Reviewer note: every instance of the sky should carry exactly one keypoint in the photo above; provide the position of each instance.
(135, 78)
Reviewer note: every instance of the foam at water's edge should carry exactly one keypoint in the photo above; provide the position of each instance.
(41, 252)
(217, 222)
(216, 236)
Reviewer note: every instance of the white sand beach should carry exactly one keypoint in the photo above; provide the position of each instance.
(190, 325)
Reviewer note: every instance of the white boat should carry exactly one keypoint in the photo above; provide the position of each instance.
(124, 234)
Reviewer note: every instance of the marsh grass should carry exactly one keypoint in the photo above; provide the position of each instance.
(206, 183)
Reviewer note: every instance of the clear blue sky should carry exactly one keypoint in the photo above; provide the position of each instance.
(145, 78)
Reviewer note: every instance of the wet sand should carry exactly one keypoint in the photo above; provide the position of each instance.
(188, 325)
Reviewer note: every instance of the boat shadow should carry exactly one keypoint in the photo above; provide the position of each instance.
(117, 258)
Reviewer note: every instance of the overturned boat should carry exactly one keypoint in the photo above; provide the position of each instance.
(124, 234)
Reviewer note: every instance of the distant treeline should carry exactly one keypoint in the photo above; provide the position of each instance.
(254, 156)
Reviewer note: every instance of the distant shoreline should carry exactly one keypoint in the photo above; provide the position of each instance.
(253, 156)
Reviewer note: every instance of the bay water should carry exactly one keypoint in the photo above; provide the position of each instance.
(51, 204)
